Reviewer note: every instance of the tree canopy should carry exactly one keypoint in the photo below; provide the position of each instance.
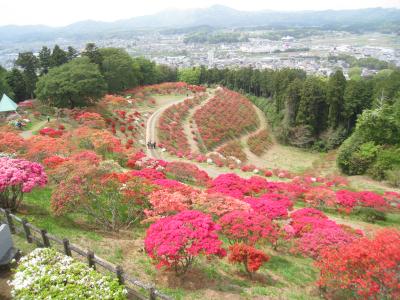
(77, 83)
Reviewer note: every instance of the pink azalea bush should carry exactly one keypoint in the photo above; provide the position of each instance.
(175, 241)
(274, 206)
(18, 176)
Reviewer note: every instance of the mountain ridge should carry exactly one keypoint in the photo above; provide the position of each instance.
(215, 16)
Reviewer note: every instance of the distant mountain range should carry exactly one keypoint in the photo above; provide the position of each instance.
(379, 19)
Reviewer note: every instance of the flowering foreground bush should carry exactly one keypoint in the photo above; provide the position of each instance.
(47, 274)
(250, 257)
(175, 241)
(366, 268)
(18, 176)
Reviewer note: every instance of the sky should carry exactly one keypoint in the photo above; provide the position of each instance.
(64, 12)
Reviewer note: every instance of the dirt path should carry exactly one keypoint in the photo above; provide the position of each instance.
(5, 291)
(28, 133)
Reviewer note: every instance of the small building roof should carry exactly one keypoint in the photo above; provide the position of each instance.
(6, 104)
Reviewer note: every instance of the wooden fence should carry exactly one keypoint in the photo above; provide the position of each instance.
(136, 289)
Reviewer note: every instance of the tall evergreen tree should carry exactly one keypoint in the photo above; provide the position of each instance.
(293, 98)
(58, 57)
(29, 63)
(44, 59)
(312, 108)
(93, 53)
(15, 80)
(71, 53)
(335, 97)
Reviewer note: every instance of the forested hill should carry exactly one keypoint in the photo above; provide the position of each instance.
(371, 19)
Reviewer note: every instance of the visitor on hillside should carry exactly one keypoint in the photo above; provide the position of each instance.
(154, 145)
(148, 145)
(48, 119)
(19, 124)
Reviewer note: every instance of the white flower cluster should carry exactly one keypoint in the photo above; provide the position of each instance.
(8, 155)
(47, 274)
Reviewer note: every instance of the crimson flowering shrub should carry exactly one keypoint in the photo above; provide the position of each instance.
(346, 200)
(259, 142)
(366, 268)
(148, 173)
(274, 206)
(175, 241)
(392, 199)
(18, 176)
(247, 227)
(227, 115)
(218, 204)
(187, 172)
(373, 200)
(231, 185)
(54, 133)
(251, 258)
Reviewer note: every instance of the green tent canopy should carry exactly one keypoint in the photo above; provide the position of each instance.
(6, 104)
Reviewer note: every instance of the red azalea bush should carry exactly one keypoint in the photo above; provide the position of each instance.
(247, 227)
(366, 268)
(187, 172)
(175, 241)
(346, 200)
(18, 176)
(175, 186)
(148, 173)
(250, 257)
(54, 133)
(227, 115)
(373, 200)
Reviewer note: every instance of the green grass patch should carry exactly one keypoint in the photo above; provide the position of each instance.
(37, 205)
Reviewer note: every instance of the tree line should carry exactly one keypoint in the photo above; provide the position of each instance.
(68, 78)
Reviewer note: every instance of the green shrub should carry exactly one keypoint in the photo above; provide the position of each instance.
(48, 274)
(347, 159)
(393, 177)
(387, 159)
(370, 215)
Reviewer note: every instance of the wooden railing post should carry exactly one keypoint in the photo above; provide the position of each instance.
(67, 249)
(45, 238)
(119, 273)
(10, 221)
(27, 230)
(153, 295)
(90, 258)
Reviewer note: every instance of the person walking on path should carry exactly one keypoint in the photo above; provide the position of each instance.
(154, 145)
(148, 145)
(48, 119)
